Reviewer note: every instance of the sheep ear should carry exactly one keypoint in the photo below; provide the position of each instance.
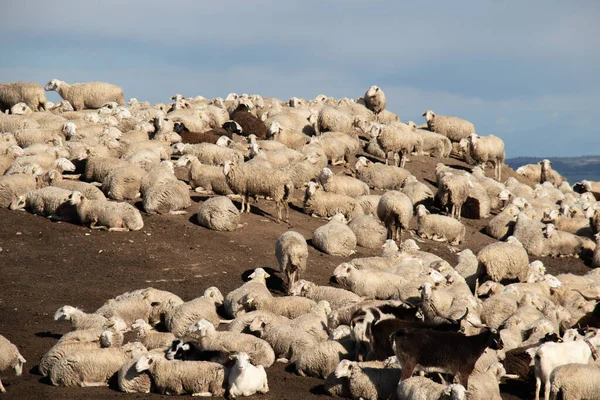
(447, 391)
(150, 361)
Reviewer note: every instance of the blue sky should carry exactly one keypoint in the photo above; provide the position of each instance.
(526, 71)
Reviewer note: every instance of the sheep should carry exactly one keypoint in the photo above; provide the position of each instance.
(368, 383)
(61, 350)
(321, 360)
(334, 296)
(561, 244)
(12, 186)
(502, 225)
(530, 233)
(575, 381)
(375, 100)
(211, 136)
(503, 261)
(91, 192)
(291, 252)
(198, 378)
(368, 231)
(150, 338)
(287, 341)
(484, 385)
(30, 93)
(434, 144)
(417, 192)
(549, 356)
(250, 124)
(331, 119)
(131, 381)
(345, 185)
(577, 225)
(339, 149)
(79, 319)
(204, 333)
(369, 284)
(596, 255)
(301, 172)
(241, 323)
(293, 139)
(395, 210)
(319, 203)
(112, 216)
(287, 306)
(483, 149)
(439, 227)
(379, 176)
(208, 153)
(257, 287)
(369, 203)
(204, 178)
(246, 379)
(179, 319)
(249, 180)
(87, 95)
(453, 192)
(546, 174)
(452, 127)
(92, 367)
(335, 237)
(397, 139)
(170, 197)
(123, 183)
(48, 201)
(421, 388)
(219, 214)
(10, 357)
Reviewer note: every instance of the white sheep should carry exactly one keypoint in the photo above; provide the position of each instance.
(291, 252)
(257, 287)
(334, 296)
(319, 203)
(247, 180)
(575, 381)
(395, 210)
(208, 153)
(369, 204)
(12, 186)
(439, 227)
(561, 244)
(30, 93)
(369, 383)
(219, 213)
(399, 139)
(503, 260)
(92, 367)
(179, 319)
(345, 185)
(87, 95)
(10, 358)
(149, 337)
(204, 178)
(198, 378)
(123, 183)
(338, 147)
(131, 381)
(368, 231)
(287, 306)
(375, 100)
(335, 237)
(380, 176)
(246, 379)
(79, 319)
(417, 192)
(452, 127)
(48, 201)
(502, 225)
(547, 174)
(369, 284)
(421, 388)
(484, 149)
(170, 197)
(322, 359)
(91, 192)
(113, 216)
(453, 192)
(287, 341)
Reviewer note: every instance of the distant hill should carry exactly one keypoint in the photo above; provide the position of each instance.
(575, 169)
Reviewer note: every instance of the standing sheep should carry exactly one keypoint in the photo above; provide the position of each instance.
(488, 149)
(87, 95)
(29, 93)
(439, 227)
(291, 252)
(503, 260)
(395, 210)
(219, 213)
(452, 127)
(375, 100)
(453, 192)
(335, 237)
(10, 358)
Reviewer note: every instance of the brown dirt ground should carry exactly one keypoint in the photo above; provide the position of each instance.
(45, 265)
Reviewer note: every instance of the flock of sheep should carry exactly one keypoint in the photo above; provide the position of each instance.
(86, 158)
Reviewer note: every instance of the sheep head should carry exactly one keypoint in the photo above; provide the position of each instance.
(213, 293)
(202, 328)
(19, 203)
(54, 84)
(298, 288)
(429, 115)
(275, 128)
(65, 313)
(75, 198)
(421, 210)
(343, 270)
(361, 162)
(259, 274)
(344, 369)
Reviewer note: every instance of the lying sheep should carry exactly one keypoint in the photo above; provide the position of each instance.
(417, 192)
(291, 252)
(256, 181)
(211, 154)
(91, 192)
(92, 367)
(380, 176)
(219, 213)
(79, 319)
(438, 227)
(502, 225)
(503, 260)
(369, 284)
(48, 201)
(257, 287)
(452, 127)
(335, 237)
(150, 338)
(345, 185)
(13, 186)
(368, 231)
(575, 381)
(421, 388)
(131, 381)
(241, 323)
(484, 149)
(87, 95)
(319, 203)
(123, 183)
(113, 216)
(395, 210)
(561, 244)
(368, 384)
(321, 360)
(30, 93)
(286, 306)
(204, 178)
(287, 341)
(334, 296)
(198, 378)
(170, 197)
(60, 351)
(179, 319)
(244, 378)
(10, 358)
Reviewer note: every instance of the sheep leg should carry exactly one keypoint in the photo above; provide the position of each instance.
(547, 390)
(538, 386)
(202, 394)
(94, 227)
(116, 229)
(438, 238)
(93, 384)
(180, 212)
(2, 390)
